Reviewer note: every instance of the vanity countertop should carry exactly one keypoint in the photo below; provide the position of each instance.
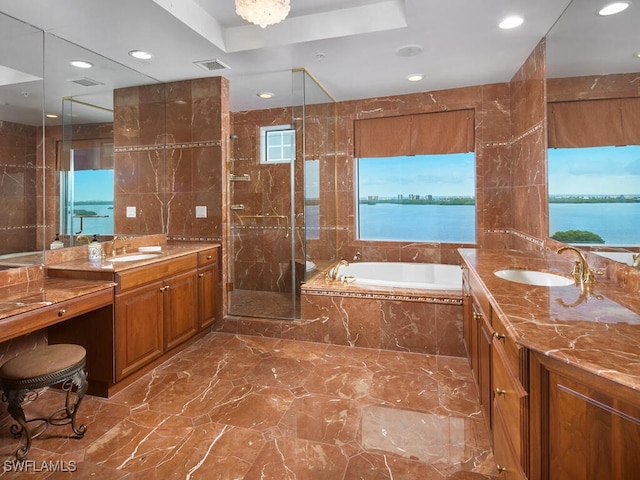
(167, 252)
(595, 329)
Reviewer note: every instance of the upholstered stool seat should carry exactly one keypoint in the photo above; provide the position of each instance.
(45, 366)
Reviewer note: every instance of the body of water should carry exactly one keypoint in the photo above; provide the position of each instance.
(616, 223)
(93, 226)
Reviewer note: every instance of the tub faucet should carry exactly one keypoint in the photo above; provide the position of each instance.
(581, 270)
(332, 273)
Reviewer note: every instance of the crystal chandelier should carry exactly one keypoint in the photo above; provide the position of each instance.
(263, 12)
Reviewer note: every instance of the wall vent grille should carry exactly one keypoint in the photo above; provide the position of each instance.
(87, 82)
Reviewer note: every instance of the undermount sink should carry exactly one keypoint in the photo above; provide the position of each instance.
(533, 277)
(134, 257)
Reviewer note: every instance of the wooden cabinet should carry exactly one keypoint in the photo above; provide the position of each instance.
(207, 288)
(138, 328)
(180, 308)
(584, 426)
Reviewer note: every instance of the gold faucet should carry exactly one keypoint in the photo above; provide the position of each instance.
(332, 273)
(80, 239)
(581, 270)
(114, 250)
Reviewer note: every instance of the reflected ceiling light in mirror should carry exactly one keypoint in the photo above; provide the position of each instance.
(263, 12)
(51, 115)
(140, 54)
(266, 95)
(81, 64)
(613, 8)
(511, 22)
(415, 77)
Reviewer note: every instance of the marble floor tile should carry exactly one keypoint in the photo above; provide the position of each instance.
(247, 407)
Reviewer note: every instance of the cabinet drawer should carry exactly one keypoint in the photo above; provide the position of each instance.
(512, 351)
(156, 271)
(207, 257)
(507, 463)
(509, 398)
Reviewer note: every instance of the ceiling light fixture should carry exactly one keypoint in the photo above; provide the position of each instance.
(263, 12)
(613, 8)
(51, 115)
(266, 95)
(415, 77)
(637, 54)
(409, 51)
(140, 54)
(81, 64)
(511, 22)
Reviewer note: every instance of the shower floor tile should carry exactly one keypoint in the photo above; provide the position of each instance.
(253, 303)
(245, 407)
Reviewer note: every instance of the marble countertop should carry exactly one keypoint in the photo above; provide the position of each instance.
(30, 296)
(596, 329)
(168, 251)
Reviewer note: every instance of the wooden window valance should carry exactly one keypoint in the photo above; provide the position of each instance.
(593, 123)
(424, 134)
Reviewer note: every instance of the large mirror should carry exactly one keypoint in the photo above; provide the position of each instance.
(592, 67)
(56, 142)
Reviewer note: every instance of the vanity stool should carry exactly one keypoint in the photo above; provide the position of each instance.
(43, 367)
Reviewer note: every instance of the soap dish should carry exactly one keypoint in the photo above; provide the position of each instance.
(152, 248)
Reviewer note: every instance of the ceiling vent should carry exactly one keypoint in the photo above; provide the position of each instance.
(87, 82)
(211, 65)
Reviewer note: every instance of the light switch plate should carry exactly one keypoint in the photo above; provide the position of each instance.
(131, 212)
(201, 211)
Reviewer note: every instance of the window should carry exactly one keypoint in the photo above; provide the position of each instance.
(277, 144)
(594, 195)
(422, 198)
(415, 178)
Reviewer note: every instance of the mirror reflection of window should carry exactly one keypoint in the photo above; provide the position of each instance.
(87, 191)
(594, 195)
(312, 199)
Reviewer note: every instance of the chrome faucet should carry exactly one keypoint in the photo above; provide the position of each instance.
(332, 273)
(581, 270)
(114, 250)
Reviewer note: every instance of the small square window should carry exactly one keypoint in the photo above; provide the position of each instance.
(277, 144)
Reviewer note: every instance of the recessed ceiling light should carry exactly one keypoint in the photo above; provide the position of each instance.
(637, 54)
(409, 50)
(81, 64)
(511, 22)
(140, 54)
(613, 8)
(51, 115)
(415, 77)
(266, 95)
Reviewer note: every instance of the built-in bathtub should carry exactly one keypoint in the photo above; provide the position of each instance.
(393, 306)
(423, 276)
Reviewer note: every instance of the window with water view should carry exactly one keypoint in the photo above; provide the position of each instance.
(422, 198)
(594, 195)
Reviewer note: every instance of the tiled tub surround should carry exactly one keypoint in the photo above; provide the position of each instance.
(389, 318)
(231, 407)
(597, 332)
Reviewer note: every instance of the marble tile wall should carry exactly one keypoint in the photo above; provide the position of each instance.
(18, 184)
(169, 152)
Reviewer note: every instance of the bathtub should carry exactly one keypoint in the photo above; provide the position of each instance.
(428, 276)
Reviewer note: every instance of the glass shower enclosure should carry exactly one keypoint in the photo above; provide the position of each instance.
(281, 184)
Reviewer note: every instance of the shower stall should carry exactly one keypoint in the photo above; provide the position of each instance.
(281, 191)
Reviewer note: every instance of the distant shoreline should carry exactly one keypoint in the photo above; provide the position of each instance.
(471, 200)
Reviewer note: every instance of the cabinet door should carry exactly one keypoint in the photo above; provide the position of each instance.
(138, 328)
(180, 308)
(484, 365)
(207, 296)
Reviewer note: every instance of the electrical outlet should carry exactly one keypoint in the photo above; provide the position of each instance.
(201, 211)
(131, 212)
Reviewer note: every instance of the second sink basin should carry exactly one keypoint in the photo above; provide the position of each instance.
(133, 257)
(533, 277)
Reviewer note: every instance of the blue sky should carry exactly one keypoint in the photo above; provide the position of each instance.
(596, 170)
(93, 185)
(438, 175)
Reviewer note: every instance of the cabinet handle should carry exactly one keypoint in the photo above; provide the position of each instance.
(499, 336)
(500, 391)
(209, 257)
(500, 468)
(165, 288)
(200, 275)
(477, 316)
(62, 311)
